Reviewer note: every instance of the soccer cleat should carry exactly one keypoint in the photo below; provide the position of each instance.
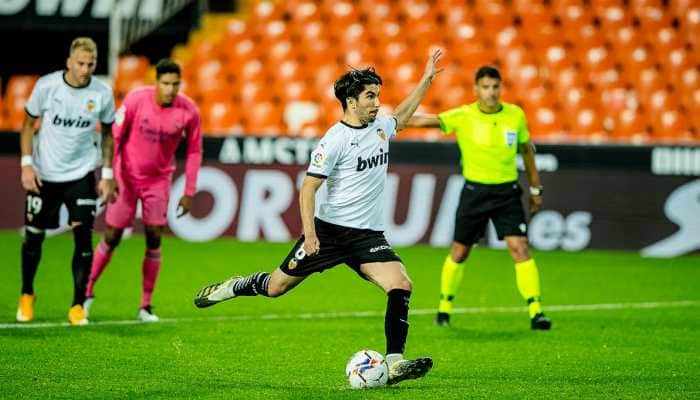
(540, 322)
(25, 308)
(76, 316)
(409, 369)
(442, 319)
(216, 293)
(87, 304)
(146, 315)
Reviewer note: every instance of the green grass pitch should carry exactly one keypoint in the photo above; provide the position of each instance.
(643, 344)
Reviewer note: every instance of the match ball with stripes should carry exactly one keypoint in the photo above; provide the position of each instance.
(367, 369)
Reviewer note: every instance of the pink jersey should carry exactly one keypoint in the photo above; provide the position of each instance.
(147, 135)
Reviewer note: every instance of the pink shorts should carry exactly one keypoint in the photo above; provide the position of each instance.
(154, 198)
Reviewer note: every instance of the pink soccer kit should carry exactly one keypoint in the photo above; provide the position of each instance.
(146, 137)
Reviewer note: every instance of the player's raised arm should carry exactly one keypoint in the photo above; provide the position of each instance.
(408, 106)
(423, 121)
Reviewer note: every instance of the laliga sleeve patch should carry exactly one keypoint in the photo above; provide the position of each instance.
(318, 159)
(119, 116)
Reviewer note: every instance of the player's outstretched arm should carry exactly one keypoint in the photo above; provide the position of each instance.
(408, 106)
(30, 179)
(423, 121)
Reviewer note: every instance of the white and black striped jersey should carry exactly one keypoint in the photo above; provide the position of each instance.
(354, 161)
(67, 146)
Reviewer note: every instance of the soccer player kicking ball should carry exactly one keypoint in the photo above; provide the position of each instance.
(489, 134)
(149, 126)
(352, 156)
(58, 167)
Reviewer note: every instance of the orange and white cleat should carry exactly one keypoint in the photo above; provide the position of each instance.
(76, 316)
(25, 308)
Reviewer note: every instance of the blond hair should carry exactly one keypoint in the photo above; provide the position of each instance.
(83, 43)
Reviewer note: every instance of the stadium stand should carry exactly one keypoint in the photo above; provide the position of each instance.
(584, 71)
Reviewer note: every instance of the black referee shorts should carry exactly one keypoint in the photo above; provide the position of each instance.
(41, 210)
(480, 203)
(338, 245)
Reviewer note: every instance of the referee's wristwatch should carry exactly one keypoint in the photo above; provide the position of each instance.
(536, 190)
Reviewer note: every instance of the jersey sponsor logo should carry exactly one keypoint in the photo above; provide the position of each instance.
(380, 248)
(510, 138)
(371, 162)
(71, 122)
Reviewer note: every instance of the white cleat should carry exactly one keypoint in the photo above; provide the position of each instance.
(409, 369)
(216, 293)
(146, 315)
(87, 304)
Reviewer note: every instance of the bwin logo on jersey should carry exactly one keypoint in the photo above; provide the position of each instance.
(70, 122)
(371, 162)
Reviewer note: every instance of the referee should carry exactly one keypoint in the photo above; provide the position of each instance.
(489, 134)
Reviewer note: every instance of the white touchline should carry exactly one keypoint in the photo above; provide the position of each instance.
(362, 314)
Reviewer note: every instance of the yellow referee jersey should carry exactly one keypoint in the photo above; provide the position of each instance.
(488, 142)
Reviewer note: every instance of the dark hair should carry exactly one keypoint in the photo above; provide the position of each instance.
(353, 82)
(487, 70)
(167, 66)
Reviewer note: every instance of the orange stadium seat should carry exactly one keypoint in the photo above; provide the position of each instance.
(588, 125)
(220, 118)
(289, 91)
(546, 35)
(575, 98)
(291, 70)
(675, 61)
(303, 12)
(659, 100)
(654, 18)
(263, 118)
(377, 11)
(585, 37)
(670, 124)
(556, 59)
(308, 33)
(545, 123)
(646, 81)
(493, 17)
(637, 58)
(624, 39)
(339, 13)
(254, 92)
(573, 15)
(533, 14)
(265, 11)
(129, 70)
(630, 125)
(665, 39)
(235, 30)
(279, 52)
(615, 17)
(212, 82)
(273, 31)
(415, 11)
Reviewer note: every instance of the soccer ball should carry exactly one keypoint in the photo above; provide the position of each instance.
(367, 369)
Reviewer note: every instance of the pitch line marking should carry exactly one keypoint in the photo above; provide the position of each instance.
(364, 314)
